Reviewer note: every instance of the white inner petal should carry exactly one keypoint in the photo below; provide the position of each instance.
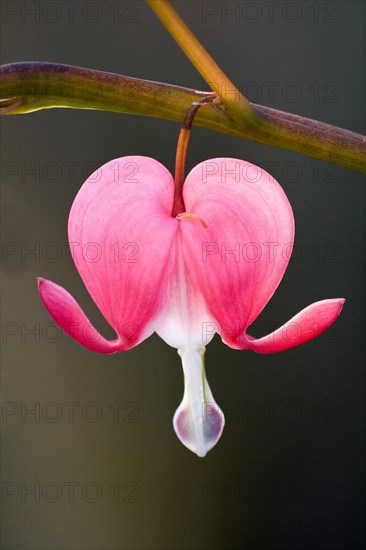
(198, 421)
(185, 322)
(186, 325)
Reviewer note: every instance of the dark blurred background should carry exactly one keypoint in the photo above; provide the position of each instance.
(97, 464)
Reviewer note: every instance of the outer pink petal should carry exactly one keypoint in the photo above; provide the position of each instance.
(246, 212)
(122, 240)
(306, 325)
(69, 316)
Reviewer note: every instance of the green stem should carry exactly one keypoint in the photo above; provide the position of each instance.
(28, 87)
(236, 104)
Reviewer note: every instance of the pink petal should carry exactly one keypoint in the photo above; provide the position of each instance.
(121, 237)
(247, 212)
(70, 317)
(306, 325)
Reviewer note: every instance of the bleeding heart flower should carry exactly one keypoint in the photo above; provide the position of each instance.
(211, 269)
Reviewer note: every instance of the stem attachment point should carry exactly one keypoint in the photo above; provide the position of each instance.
(181, 154)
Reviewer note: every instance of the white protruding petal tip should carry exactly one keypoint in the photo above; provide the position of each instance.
(209, 427)
(198, 421)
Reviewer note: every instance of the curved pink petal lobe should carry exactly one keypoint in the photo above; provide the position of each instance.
(122, 236)
(238, 261)
(306, 325)
(70, 317)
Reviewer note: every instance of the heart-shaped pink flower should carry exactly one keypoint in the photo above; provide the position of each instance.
(212, 269)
